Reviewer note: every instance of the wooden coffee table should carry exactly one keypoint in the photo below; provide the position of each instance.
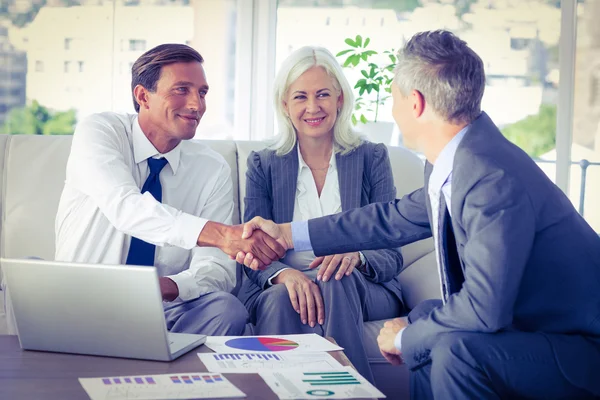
(41, 375)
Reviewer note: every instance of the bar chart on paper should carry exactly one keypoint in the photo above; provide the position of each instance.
(254, 362)
(344, 383)
(173, 386)
(330, 378)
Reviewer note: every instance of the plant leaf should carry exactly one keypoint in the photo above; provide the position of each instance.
(341, 53)
(358, 41)
(363, 119)
(360, 83)
(364, 73)
(372, 72)
(354, 121)
(350, 42)
(367, 41)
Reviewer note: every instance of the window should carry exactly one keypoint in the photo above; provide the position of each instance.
(584, 188)
(517, 53)
(90, 79)
(137, 45)
(595, 88)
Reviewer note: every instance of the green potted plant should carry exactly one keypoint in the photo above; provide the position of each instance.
(373, 86)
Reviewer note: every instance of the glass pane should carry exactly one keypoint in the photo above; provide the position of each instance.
(77, 59)
(67, 71)
(517, 40)
(206, 25)
(585, 151)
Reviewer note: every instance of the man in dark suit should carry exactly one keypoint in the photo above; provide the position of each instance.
(519, 267)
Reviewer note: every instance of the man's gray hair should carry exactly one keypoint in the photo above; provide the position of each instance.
(447, 72)
(297, 63)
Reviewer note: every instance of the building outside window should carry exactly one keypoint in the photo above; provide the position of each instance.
(137, 45)
(95, 33)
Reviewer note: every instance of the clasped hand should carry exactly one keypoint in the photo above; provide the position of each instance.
(344, 263)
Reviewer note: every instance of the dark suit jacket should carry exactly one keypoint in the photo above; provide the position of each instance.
(365, 176)
(531, 262)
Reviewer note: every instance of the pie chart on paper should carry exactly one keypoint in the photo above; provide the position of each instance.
(261, 344)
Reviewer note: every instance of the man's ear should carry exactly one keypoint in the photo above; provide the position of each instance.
(141, 96)
(418, 103)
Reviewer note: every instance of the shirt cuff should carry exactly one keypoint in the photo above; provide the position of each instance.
(274, 275)
(398, 339)
(301, 236)
(185, 285)
(186, 230)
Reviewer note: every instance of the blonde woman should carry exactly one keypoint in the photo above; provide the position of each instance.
(320, 166)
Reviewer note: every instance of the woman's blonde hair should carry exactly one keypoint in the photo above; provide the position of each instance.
(344, 137)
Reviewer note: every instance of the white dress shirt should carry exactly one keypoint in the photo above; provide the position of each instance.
(102, 206)
(310, 205)
(440, 182)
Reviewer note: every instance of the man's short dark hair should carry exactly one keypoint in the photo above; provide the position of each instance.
(147, 68)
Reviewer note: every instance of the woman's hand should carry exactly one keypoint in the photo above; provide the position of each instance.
(305, 296)
(343, 263)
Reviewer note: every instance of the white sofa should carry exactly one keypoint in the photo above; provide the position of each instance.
(32, 173)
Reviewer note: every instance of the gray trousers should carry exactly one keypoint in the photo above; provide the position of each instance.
(503, 365)
(213, 314)
(349, 302)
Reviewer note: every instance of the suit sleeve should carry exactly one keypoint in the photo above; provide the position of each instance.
(258, 202)
(499, 222)
(372, 227)
(382, 265)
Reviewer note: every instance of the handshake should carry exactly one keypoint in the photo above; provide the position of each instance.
(255, 244)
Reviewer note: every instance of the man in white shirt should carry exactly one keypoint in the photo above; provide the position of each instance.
(138, 192)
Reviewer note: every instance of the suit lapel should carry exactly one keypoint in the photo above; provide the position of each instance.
(350, 176)
(284, 175)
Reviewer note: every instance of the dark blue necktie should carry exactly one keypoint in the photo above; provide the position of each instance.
(140, 252)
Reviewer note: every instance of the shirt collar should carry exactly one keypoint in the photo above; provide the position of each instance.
(442, 168)
(144, 149)
(302, 164)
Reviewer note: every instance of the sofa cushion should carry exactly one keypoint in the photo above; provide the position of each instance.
(4, 139)
(227, 149)
(34, 179)
(420, 281)
(3, 326)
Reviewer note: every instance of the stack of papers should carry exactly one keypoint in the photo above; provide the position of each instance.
(293, 366)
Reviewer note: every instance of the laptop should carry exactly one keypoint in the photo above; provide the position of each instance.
(104, 310)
